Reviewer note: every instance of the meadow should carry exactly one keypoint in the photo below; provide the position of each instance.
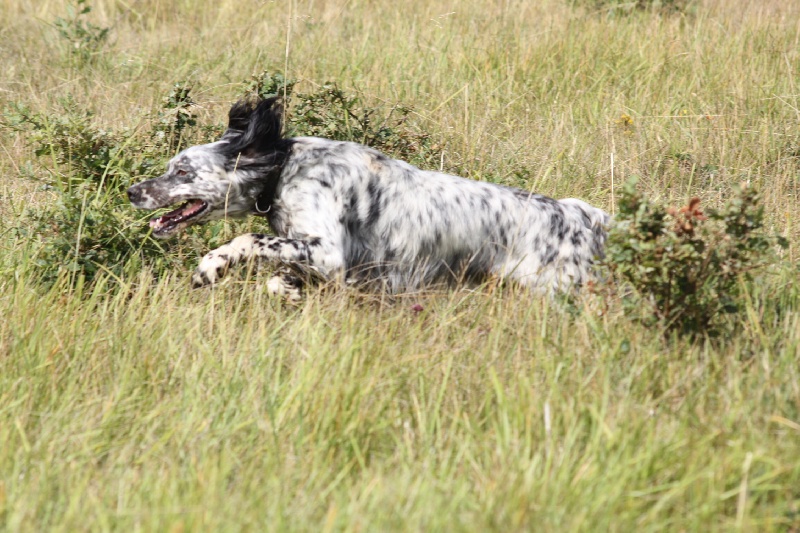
(129, 402)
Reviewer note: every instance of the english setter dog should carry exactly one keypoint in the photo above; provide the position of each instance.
(346, 212)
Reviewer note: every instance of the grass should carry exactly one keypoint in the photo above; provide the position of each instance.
(137, 404)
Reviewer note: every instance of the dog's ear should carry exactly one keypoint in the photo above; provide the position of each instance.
(239, 117)
(265, 126)
(254, 125)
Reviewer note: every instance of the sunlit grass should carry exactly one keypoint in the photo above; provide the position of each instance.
(135, 404)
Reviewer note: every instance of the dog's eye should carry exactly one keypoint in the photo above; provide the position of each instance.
(180, 172)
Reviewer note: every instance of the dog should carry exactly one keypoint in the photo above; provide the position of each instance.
(345, 212)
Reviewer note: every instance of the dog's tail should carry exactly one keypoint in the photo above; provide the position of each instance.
(254, 125)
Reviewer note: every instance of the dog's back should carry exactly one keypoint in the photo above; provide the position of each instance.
(411, 227)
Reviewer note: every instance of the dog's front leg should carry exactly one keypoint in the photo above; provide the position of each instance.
(313, 254)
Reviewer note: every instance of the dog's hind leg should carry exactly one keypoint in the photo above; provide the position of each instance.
(310, 254)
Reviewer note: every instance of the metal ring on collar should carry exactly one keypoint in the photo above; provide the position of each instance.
(262, 211)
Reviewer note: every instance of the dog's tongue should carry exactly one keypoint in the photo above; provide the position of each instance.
(186, 210)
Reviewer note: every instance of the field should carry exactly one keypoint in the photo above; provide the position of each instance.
(129, 402)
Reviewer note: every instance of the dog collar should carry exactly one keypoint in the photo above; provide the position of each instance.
(260, 202)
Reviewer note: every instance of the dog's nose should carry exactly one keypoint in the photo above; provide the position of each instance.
(134, 195)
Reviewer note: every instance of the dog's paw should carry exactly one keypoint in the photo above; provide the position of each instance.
(210, 270)
(286, 286)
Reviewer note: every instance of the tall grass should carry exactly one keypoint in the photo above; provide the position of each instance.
(134, 404)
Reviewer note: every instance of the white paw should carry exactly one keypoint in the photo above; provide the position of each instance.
(278, 286)
(210, 270)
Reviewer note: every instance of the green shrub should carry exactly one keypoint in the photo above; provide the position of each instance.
(65, 138)
(334, 114)
(89, 226)
(84, 39)
(267, 84)
(175, 117)
(686, 267)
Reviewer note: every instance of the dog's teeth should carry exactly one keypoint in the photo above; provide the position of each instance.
(176, 216)
(191, 207)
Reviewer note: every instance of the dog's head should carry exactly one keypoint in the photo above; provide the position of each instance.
(227, 178)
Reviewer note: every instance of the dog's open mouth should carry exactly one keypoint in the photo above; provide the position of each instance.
(178, 218)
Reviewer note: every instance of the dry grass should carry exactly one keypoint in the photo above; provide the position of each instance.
(140, 405)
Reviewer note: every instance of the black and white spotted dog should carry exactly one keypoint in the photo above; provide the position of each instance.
(346, 212)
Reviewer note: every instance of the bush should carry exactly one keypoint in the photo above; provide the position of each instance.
(687, 265)
(175, 117)
(89, 227)
(267, 85)
(334, 114)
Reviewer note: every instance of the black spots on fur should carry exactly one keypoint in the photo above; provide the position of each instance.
(291, 280)
(550, 254)
(585, 217)
(435, 201)
(224, 257)
(275, 245)
(322, 155)
(558, 226)
(544, 201)
(303, 254)
(325, 184)
(407, 175)
(204, 280)
(523, 195)
(351, 226)
(502, 235)
(314, 241)
(337, 170)
(577, 238)
(375, 195)
(352, 205)
(598, 241)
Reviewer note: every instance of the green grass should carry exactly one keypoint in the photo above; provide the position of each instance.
(137, 404)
